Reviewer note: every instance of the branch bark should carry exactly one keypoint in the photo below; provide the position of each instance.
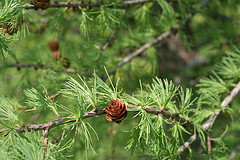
(45, 143)
(70, 119)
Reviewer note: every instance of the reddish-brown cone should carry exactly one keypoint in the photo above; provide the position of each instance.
(43, 4)
(57, 55)
(53, 45)
(116, 111)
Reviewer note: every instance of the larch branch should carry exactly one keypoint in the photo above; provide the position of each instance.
(96, 112)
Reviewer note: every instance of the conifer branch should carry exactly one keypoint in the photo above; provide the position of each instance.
(211, 119)
(144, 47)
(91, 4)
(64, 120)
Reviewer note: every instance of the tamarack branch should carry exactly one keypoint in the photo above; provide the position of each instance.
(96, 112)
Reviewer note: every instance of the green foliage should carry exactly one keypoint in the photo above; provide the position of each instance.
(39, 101)
(168, 13)
(29, 146)
(8, 116)
(195, 68)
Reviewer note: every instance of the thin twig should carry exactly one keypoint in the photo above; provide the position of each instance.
(158, 39)
(110, 38)
(209, 144)
(139, 51)
(105, 46)
(143, 48)
(108, 42)
(45, 143)
(26, 107)
(88, 4)
(211, 119)
(54, 96)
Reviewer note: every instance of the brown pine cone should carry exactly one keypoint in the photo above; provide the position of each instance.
(53, 45)
(116, 111)
(43, 4)
(57, 55)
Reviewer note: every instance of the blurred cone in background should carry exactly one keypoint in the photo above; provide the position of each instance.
(56, 54)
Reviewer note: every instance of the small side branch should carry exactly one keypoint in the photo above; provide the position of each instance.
(139, 51)
(105, 46)
(230, 97)
(143, 48)
(45, 143)
(211, 119)
(209, 144)
(187, 144)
